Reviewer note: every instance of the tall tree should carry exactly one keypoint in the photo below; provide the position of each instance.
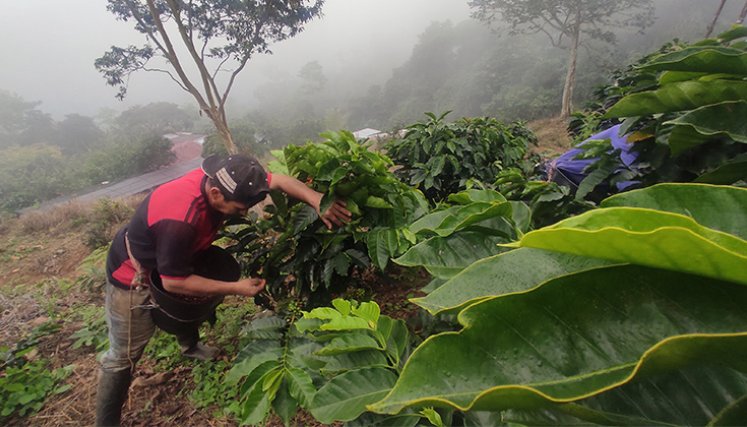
(565, 22)
(156, 118)
(712, 25)
(218, 36)
(77, 134)
(21, 122)
(312, 78)
(742, 14)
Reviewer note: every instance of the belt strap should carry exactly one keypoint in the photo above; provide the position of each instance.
(139, 278)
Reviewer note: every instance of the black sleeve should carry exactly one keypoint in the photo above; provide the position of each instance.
(174, 245)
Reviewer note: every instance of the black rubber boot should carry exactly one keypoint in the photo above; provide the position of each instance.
(110, 396)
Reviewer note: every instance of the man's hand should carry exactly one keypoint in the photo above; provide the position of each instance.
(336, 214)
(250, 287)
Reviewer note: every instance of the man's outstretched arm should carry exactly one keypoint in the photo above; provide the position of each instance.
(336, 214)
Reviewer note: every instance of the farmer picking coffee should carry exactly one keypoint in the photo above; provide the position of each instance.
(169, 231)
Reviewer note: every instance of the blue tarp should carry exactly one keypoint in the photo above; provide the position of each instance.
(573, 169)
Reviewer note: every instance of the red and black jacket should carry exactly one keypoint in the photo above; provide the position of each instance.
(173, 223)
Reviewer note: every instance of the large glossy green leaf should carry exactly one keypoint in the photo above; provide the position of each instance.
(471, 196)
(446, 256)
(446, 222)
(574, 338)
(734, 33)
(432, 220)
(679, 96)
(345, 397)
(728, 173)
(732, 415)
(504, 274)
(395, 334)
(521, 215)
(252, 356)
(357, 360)
(347, 343)
(646, 237)
(708, 59)
(256, 403)
(684, 138)
(713, 120)
(376, 420)
(678, 76)
(300, 386)
(472, 214)
(285, 405)
(382, 244)
(693, 396)
(715, 206)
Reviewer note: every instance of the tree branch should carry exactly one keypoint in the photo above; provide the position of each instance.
(139, 19)
(233, 77)
(158, 70)
(173, 59)
(219, 67)
(551, 24)
(211, 89)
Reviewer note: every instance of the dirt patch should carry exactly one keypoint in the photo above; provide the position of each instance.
(392, 291)
(74, 407)
(161, 399)
(552, 136)
(43, 245)
(155, 399)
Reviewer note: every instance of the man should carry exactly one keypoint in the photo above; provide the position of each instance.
(176, 221)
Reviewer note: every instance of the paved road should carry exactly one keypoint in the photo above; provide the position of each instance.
(129, 186)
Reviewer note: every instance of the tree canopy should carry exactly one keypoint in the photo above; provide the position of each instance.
(565, 22)
(218, 37)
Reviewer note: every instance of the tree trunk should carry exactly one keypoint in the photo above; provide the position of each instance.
(570, 77)
(715, 19)
(225, 133)
(742, 14)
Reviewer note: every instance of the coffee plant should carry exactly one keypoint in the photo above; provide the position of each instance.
(332, 361)
(295, 252)
(440, 158)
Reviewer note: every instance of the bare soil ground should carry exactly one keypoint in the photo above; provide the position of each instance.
(552, 137)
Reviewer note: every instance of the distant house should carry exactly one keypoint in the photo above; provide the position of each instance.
(369, 133)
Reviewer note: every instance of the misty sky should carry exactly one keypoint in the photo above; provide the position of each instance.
(48, 48)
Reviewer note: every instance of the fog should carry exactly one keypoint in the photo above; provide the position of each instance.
(376, 64)
(49, 46)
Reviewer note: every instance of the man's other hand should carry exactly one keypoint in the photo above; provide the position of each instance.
(336, 215)
(250, 287)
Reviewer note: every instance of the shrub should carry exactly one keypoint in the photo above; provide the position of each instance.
(332, 362)
(107, 216)
(293, 249)
(32, 174)
(69, 215)
(25, 383)
(440, 158)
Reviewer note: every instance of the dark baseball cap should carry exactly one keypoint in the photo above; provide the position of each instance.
(240, 178)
